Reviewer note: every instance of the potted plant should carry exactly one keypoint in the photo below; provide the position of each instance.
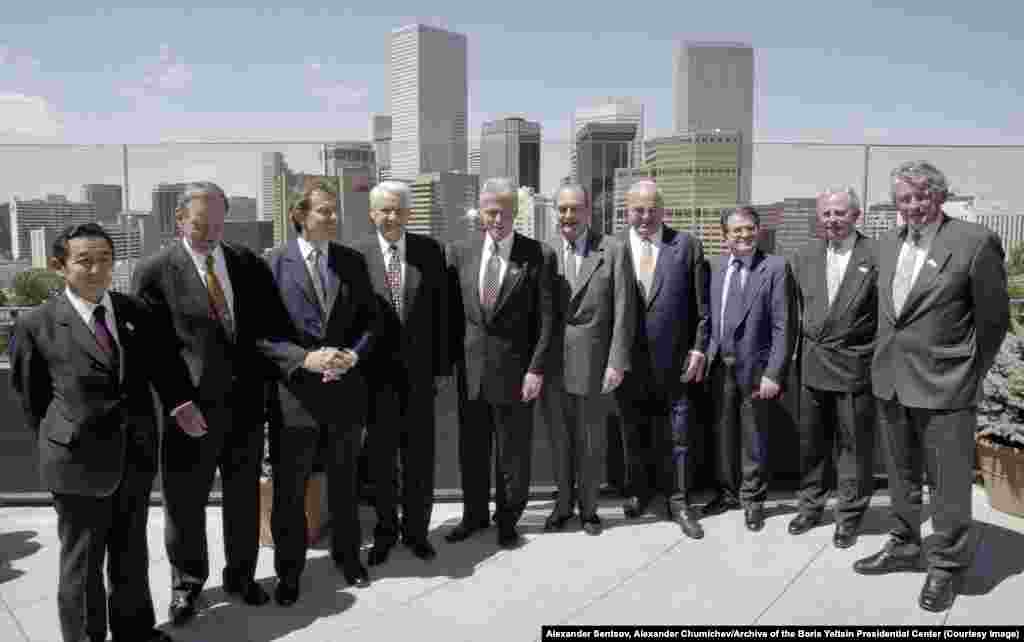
(1000, 436)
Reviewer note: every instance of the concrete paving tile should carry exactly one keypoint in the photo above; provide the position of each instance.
(10, 629)
(39, 619)
(29, 557)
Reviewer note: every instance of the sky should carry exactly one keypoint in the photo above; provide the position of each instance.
(858, 71)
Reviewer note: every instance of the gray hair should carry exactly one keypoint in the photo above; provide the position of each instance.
(647, 185)
(501, 186)
(394, 188)
(851, 195)
(749, 211)
(573, 187)
(913, 171)
(200, 188)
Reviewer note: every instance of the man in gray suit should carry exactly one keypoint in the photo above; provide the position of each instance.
(596, 320)
(836, 281)
(943, 311)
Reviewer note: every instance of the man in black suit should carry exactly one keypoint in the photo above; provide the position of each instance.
(81, 365)
(409, 363)
(590, 354)
(943, 311)
(210, 297)
(838, 296)
(753, 308)
(503, 313)
(671, 304)
(321, 394)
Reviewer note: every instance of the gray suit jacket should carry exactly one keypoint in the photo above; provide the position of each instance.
(597, 319)
(936, 352)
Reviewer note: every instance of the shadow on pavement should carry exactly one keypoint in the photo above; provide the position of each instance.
(997, 558)
(14, 546)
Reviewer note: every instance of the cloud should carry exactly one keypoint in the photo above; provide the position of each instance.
(22, 115)
(166, 76)
(335, 94)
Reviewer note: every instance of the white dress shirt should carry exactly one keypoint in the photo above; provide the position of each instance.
(305, 249)
(580, 251)
(841, 255)
(636, 244)
(921, 250)
(86, 310)
(504, 250)
(220, 268)
(385, 248)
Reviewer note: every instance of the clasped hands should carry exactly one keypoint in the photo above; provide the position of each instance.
(331, 362)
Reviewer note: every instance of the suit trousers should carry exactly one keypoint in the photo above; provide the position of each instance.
(296, 451)
(401, 435)
(941, 443)
(576, 429)
(837, 430)
(657, 436)
(507, 431)
(113, 528)
(740, 442)
(189, 463)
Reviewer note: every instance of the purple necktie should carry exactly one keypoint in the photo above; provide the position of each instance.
(106, 339)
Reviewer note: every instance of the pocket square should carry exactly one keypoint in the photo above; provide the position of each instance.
(932, 263)
(862, 268)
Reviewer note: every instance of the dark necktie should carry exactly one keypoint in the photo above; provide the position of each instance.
(490, 291)
(106, 339)
(319, 280)
(395, 279)
(733, 308)
(570, 265)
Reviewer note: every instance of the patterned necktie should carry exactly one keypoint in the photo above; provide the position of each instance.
(645, 268)
(832, 276)
(218, 301)
(490, 292)
(106, 339)
(904, 279)
(570, 264)
(733, 307)
(316, 263)
(395, 279)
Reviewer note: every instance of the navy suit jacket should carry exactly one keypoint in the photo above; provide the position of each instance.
(765, 335)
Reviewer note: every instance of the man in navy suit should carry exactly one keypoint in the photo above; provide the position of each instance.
(81, 365)
(321, 394)
(752, 310)
(670, 296)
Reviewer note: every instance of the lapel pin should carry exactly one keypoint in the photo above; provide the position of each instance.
(932, 263)
(130, 327)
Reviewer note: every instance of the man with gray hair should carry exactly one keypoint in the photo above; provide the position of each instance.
(210, 295)
(503, 318)
(943, 311)
(838, 319)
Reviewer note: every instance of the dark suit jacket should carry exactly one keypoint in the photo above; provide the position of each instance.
(411, 351)
(837, 341)
(674, 319)
(501, 347)
(169, 282)
(764, 337)
(597, 319)
(304, 400)
(936, 353)
(83, 413)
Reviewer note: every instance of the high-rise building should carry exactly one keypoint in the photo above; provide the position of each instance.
(510, 148)
(429, 101)
(108, 200)
(127, 234)
(272, 167)
(354, 185)
(381, 131)
(602, 148)
(798, 226)
(535, 218)
(474, 157)
(165, 203)
(253, 234)
(348, 155)
(878, 219)
(5, 231)
(697, 173)
(243, 208)
(713, 86)
(41, 240)
(609, 110)
(54, 213)
(439, 205)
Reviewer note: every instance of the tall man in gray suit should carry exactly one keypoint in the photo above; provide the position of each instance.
(838, 296)
(943, 311)
(596, 315)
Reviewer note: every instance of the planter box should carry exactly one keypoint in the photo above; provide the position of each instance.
(1002, 471)
(316, 509)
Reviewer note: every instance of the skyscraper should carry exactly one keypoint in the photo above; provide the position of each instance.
(602, 148)
(272, 166)
(439, 205)
(609, 110)
(713, 85)
(108, 200)
(381, 131)
(53, 213)
(348, 155)
(165, 202)
(510, 147)
(429, 101)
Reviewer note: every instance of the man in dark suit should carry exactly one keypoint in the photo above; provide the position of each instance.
(503, 313)
(670, 296)
(594, 306)
(210, 298)
(321, 394)
(838, 297)
(81, 365)
(409, 363)
(943, 311)
(752, 339)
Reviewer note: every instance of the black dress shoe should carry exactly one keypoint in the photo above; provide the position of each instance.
(356, 575)
(250, 592)
(153, 635)
(592, 525)
(753, 516)
(378, 554)
(183, 605)
(286, 593)
(844, 537)
(508, 538)
(421, 548)
(464, 530)
(803, 523)
(556, 522)
(939, 591)
(888, 560)
(635, 506)
(720, 504)
(683, 514)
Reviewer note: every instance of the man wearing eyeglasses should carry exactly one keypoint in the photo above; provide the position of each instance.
(752, 307)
